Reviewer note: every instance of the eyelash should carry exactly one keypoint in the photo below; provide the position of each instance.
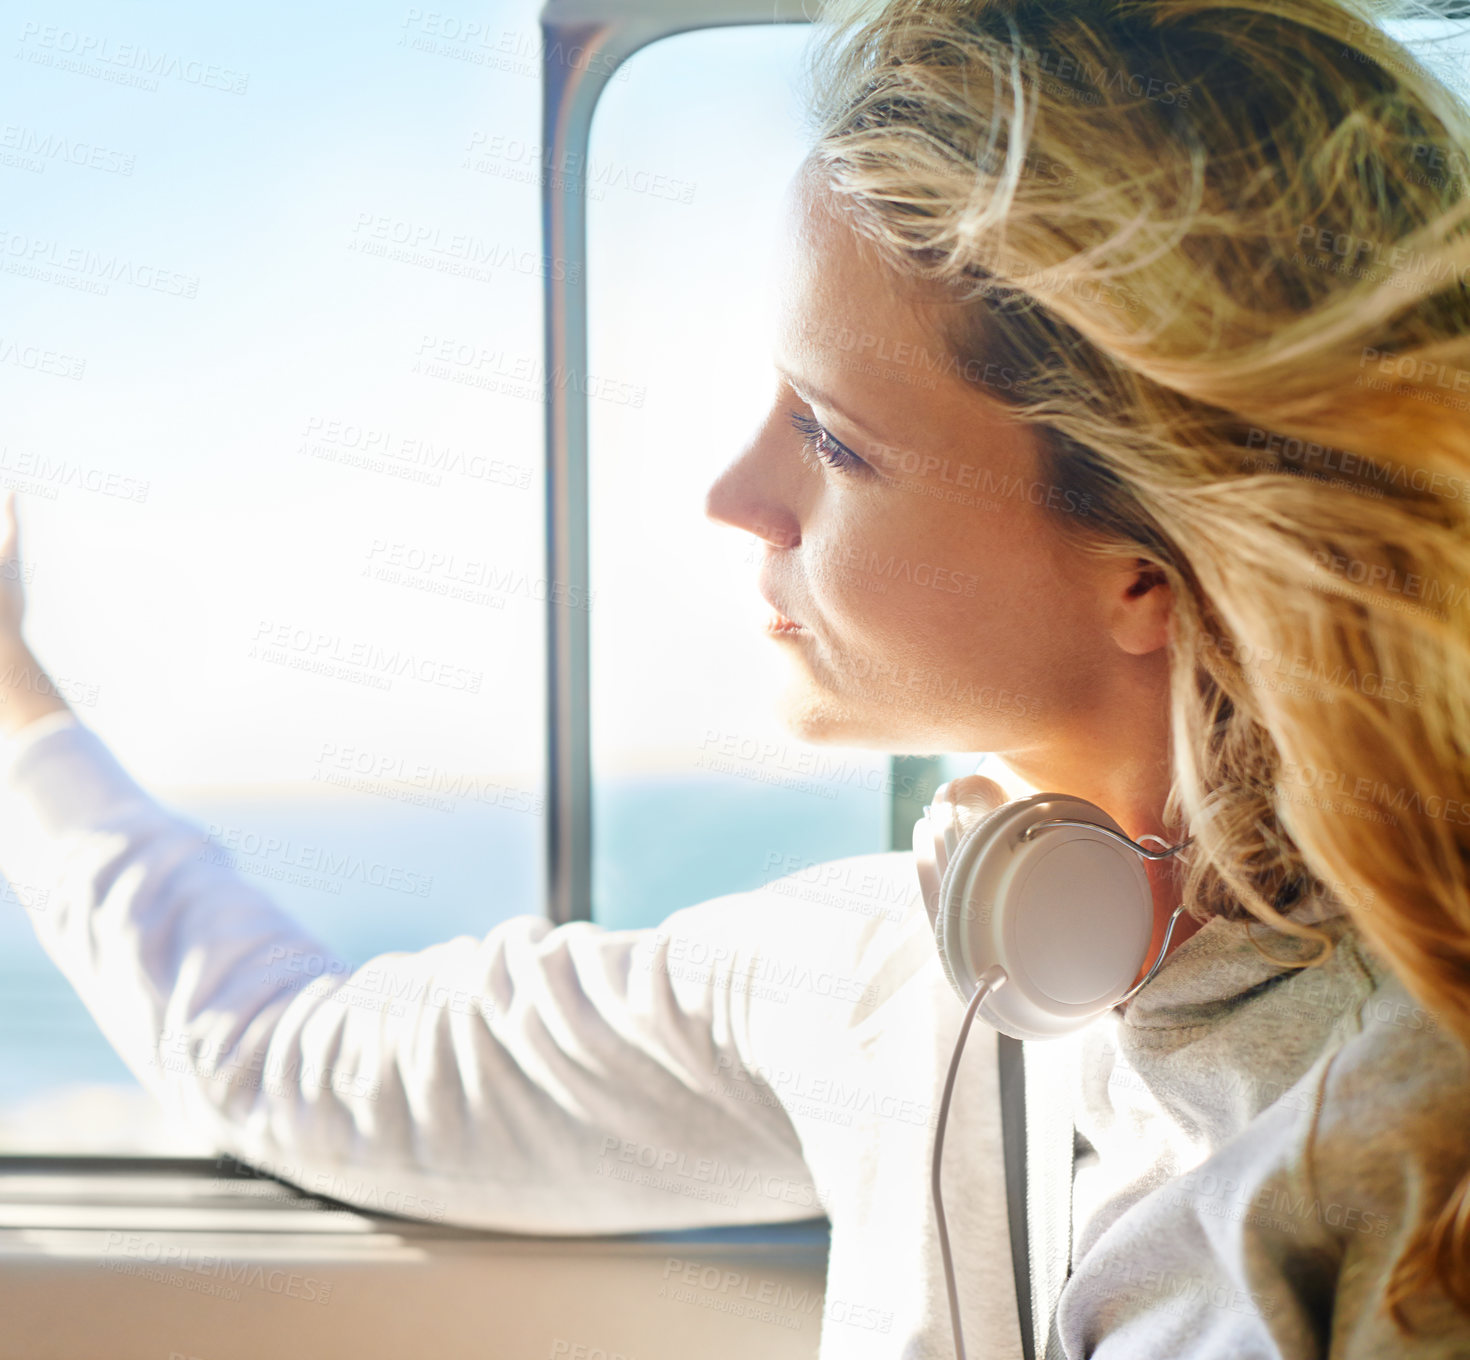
(820, 441)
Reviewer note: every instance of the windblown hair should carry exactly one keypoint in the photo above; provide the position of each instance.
(1217, 254)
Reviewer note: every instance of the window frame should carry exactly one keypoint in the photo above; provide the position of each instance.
(604, 34)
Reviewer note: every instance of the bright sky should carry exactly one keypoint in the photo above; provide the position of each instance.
(208, 509)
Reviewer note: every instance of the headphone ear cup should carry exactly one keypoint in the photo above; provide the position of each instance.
(1067, 913)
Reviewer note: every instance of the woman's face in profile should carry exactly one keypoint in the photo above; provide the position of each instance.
(901, 521)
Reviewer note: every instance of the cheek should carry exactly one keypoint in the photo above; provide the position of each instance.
(896, 584)
(959, 583)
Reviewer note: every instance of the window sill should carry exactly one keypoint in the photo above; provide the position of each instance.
(161, 1257)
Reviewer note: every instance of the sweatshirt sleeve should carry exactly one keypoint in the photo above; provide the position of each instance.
(546, 1080)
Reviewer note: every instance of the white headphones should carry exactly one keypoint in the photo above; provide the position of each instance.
(1045, 894)
(1043, 915)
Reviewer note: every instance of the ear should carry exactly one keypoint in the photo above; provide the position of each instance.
(1138, 605)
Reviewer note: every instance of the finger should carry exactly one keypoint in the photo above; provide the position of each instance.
(956, 807)
(9, 527)
(973, 797)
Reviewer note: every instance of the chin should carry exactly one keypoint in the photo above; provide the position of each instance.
(820, 718)
(809, 714)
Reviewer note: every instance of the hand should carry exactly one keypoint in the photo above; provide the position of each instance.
(26, 691)
(12, 593)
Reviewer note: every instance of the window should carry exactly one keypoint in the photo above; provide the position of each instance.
(271, 284)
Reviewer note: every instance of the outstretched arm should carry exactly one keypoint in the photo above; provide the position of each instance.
(538, 1079)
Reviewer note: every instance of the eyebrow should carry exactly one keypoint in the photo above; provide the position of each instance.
(823, 399)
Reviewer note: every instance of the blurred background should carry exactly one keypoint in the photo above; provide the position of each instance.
(271, 368)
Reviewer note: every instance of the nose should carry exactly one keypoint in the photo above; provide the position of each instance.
(755, 491)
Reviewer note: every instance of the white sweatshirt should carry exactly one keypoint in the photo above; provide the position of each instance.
(764, 1056)
(1249, 1137)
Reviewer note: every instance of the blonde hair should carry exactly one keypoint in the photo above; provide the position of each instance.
(1204, 246)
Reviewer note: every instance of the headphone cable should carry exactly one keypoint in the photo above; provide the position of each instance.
(992, 979)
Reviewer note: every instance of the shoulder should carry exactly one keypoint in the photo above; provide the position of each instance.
(1393, 1123)
(1389, 1144)
(1396, 1060)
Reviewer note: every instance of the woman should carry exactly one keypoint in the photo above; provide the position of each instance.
(1149, 320)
